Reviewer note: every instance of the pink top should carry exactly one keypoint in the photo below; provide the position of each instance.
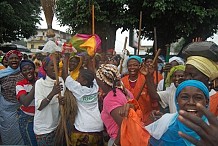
(110, 103)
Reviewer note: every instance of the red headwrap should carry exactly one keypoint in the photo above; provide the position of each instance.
(16, 52)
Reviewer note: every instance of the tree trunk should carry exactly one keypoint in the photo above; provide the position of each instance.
(107, 35)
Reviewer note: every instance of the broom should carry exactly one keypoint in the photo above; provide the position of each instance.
(48, 8)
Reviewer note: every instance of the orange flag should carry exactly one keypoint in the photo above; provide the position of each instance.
(133, 132)
(90, 45)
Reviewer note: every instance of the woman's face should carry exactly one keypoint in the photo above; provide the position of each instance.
(189, 97)
(192, 73)
(49, 69)
(13, 61)
(178, 77)
(73, 63)
(133, 67)
(148, 62)
(28, 72)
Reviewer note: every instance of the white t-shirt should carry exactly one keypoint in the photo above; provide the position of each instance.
(46, 120)
(168, 98)
(161, 85)
(88, 118)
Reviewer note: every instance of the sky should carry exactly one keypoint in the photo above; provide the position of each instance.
(120, 37)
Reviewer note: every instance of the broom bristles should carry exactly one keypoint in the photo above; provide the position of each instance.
(70, 112)
(48, 8)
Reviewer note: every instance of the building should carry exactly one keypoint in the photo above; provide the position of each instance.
(38, 41)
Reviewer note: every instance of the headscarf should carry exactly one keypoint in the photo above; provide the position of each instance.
(204, 65)
(16, 52)
(75, 73)
(41, 70)
(109, 74)
(177, 59)
(170, 74)
(165, 130)
(192, 83)
(26, 62)
(138, 58)
(46, 60)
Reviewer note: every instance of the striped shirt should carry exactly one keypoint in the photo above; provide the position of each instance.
(23, 87)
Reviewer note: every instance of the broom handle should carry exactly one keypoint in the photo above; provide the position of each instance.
(140, 30)
(124, 48)
(61, 106)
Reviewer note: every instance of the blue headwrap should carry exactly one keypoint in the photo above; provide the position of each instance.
(26, 62)
(138, 58)
(171, 136)
(192, 83)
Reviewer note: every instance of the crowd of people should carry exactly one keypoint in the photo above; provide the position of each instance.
(171, 103)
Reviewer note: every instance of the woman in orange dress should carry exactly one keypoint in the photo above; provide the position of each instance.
(134, 83)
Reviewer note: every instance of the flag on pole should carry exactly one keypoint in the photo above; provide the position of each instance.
(86, 43)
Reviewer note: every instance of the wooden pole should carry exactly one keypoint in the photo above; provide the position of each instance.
(155, 40)
(167, 60)
(93, 19)
(140, 27)
(155, 47)
(61, 106)
(121, 61)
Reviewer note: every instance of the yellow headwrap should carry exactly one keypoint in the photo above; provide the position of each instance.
(170, 74)
(75, 73)
(204, 65)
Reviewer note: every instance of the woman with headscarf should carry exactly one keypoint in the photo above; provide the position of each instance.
(75, 63)
(25, 95)
(204, 70)
(108, 78)
(173, 61)
(166, 130)
(9, 129)
(166, 98)
(134, 82)
(47, 102)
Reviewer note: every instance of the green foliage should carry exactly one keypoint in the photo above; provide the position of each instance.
(172, 18)
(177, 18)
(18, 19)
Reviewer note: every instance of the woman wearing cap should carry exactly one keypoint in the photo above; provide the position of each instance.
(25, 95)
(47, 101)
(10, 132)
(108, 78)
(166, 131)
(134, 82)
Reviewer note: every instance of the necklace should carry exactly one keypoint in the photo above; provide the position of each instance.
(133, 80)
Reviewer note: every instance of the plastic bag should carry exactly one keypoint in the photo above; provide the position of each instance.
(205, 49)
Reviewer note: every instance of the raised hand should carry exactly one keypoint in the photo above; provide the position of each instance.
(207, 133)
